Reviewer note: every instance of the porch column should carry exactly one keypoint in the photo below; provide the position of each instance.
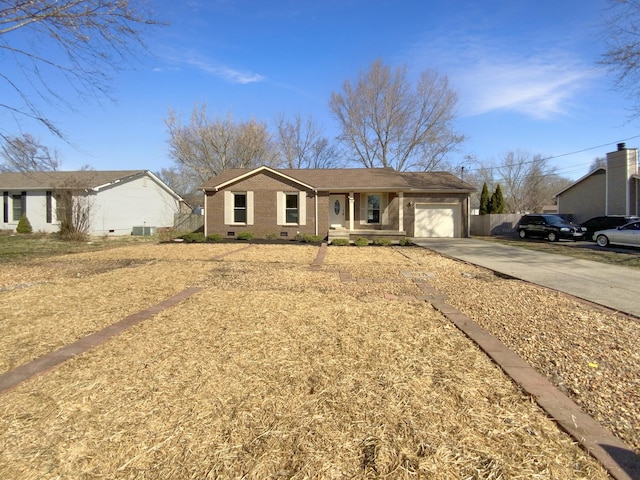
(400, 211)
(352, 202)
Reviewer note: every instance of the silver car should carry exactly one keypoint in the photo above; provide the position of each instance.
(628, 235)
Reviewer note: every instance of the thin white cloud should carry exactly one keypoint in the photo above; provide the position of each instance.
(223, 71)
(538, 88)
(195, 60)
(538, 79)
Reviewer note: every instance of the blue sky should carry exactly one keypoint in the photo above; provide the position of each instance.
(525, 73)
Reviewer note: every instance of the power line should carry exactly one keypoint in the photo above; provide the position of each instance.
(552, 157)
(591, 148)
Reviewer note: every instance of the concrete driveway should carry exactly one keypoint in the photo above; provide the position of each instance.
(609, 285)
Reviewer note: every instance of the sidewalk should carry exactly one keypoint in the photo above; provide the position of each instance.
(614, 287)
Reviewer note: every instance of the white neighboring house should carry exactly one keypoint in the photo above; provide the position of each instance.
(117, 201)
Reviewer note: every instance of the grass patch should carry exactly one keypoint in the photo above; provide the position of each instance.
(16, 247)
(583, 250)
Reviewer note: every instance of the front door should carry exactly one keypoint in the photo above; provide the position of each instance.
(337, 204)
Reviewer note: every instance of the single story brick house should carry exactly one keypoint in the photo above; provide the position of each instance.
(610, 190)
(337, 203)
(116, 201)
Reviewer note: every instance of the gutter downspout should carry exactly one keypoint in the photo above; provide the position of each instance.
(316, 212)
(469, 216)
(205, 212)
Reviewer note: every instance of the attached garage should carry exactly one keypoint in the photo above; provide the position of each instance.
(437, 220)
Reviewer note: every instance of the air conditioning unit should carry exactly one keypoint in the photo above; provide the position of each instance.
(143, 231)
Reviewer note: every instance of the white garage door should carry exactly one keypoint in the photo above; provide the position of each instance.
(436, 220)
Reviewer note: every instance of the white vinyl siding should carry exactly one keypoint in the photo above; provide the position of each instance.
(281, 206)
(113, 209)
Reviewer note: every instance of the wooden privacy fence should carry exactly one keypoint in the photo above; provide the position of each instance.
(494, 224)
(188, 222)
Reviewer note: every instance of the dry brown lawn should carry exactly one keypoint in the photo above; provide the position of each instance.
(273, 370)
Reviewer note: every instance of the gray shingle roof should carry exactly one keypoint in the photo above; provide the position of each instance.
(56, 180)
(359, 179)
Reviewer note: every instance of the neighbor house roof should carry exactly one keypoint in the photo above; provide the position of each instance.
(597, 171)
(358, 179)
(78, 179)
(83, 179)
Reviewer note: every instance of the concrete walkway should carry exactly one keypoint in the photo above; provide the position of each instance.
(612, 286)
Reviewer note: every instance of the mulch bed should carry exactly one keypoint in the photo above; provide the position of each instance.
(273, 370)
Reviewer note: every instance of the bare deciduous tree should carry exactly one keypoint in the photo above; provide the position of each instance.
(74, 209)
(79, 42)
(27, 154)
(301, 144)
(178, 180)
(528, 183)
(387, 122)
(597, 163)
(621, 32)
(205, 147)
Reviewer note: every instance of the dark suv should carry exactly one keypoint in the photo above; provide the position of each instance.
(604, 222)
(551, 227)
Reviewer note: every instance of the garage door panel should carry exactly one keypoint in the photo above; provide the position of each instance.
(436, 220)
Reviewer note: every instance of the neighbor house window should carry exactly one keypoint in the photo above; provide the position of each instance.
(49, 207)
(291, 208)
(17, 207)
(239, 208)
(5, 207)
(373, 208)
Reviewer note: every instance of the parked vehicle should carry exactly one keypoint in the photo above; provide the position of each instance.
(605, 222)
(551, 227)
(627, 235)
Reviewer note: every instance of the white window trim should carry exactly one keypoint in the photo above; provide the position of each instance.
(364, 203)
(281, 208)
(229, 208)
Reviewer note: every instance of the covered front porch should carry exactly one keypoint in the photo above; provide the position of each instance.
(370, 215)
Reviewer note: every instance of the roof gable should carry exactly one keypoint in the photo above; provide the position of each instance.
(239, 175)
(597, 171)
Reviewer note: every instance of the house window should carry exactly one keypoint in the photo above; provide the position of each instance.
(5, 209)
(239, 208)
(49, 206)
(291, 208)
(17, 207)
(373, 208)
